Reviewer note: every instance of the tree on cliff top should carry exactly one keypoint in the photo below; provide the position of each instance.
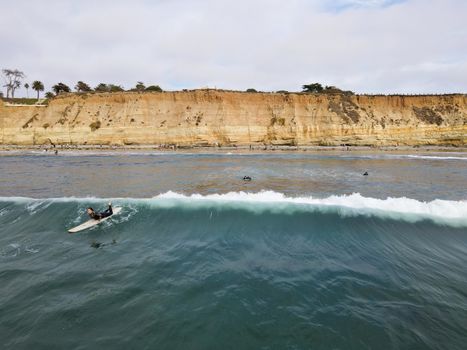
(155, 88)
(12, 79)
(140, 86)
(101, 87)
(60, 88)
(82, 87)
(114, 88)
(313, 88)
(37, 86)
(108, 88)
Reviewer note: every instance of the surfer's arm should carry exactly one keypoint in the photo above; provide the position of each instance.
(106, 213)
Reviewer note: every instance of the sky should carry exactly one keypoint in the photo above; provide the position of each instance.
(367, 46)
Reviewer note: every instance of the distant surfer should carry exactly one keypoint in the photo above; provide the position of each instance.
(247, 178)
(365, 173)
(98, 216)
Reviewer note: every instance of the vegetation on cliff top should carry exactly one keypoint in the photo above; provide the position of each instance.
(60, 88)
(13, 80)
(23, 101)
(37, 86)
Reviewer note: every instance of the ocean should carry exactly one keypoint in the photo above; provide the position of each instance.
(309, 254)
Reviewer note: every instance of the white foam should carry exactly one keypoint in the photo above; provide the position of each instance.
(435, 157)
(444, 211)
(37, 201)
(447, 212)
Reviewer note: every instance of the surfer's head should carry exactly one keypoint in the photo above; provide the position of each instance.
(90, 210)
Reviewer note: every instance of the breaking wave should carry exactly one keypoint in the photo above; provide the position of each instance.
(445, 212)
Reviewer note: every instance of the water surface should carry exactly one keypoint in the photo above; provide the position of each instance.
(309, 254)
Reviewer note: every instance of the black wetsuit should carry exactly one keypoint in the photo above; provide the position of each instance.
(104, 214)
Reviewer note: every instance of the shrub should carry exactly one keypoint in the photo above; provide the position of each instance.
(101, 88)
(108, 88)
(21, 101)
(115, 88)
(335, 90)
(155, 88)
(251, 90)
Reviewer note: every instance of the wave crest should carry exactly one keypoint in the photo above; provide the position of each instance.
(440, 211)
(452, 213)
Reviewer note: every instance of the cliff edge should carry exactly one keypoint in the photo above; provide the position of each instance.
(214, 117)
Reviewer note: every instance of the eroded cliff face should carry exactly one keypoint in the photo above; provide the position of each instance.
(212, 117)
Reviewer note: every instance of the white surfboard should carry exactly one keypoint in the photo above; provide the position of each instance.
(92, 222)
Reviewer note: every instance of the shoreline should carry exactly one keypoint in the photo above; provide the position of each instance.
(238, 149)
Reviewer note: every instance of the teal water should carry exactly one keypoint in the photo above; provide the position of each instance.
(309, 255)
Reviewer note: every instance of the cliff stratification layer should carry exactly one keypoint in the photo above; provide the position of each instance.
(213, 117)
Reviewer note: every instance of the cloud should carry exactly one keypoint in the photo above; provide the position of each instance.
(415, 46)
(339, 5)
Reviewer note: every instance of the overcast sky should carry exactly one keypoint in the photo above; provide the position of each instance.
(387, 46)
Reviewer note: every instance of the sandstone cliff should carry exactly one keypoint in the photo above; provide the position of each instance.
(212, 117)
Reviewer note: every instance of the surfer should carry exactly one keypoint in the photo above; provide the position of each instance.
(99, 216)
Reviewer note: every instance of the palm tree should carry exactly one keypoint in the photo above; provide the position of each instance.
(26, 86)
(37, 86)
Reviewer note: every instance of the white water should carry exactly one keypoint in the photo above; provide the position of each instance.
(435, 157)
(407, 209)
(441, 211)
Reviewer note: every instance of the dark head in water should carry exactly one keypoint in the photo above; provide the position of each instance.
(92, 214)
(246, 178)
(365, 173)
(95, 244)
